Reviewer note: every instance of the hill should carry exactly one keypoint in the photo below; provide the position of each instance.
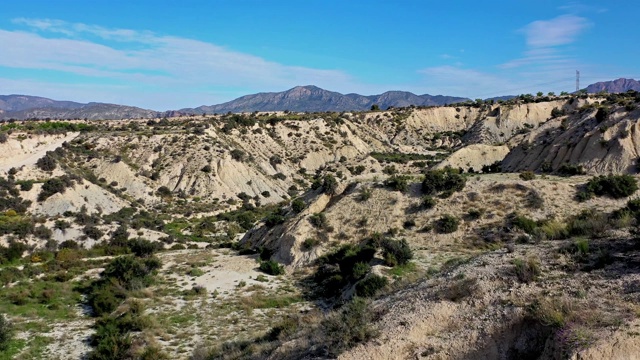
(614, 86)
(312, 98)
(22, 107)
(326, 235)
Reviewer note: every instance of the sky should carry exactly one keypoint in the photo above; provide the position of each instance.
(173, 54)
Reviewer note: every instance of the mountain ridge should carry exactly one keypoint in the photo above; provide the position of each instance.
(308, 98)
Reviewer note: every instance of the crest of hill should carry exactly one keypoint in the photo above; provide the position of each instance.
(614, 86)
(313, 98)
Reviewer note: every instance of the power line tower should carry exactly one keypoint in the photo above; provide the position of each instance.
(577, 80)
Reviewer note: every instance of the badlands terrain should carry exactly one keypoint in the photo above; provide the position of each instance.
(478, 230)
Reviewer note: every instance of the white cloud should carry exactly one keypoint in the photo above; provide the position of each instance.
(145, 58)
(561, 30)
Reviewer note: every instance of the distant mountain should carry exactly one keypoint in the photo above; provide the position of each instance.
(23, 102)
(22, 107)
(614, 86)
(313, 98)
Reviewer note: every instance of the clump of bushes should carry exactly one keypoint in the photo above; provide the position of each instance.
(615, 186)
(397, 183)
(54, 186)
(352, 325)
(271, 267)
(396, 252)
(447, 224)
(47, 162)
(369, 286)
(444, 180)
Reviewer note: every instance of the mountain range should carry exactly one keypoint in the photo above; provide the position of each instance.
(312, 98)
(300, 98)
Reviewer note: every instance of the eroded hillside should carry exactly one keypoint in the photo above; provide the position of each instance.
(270, 231)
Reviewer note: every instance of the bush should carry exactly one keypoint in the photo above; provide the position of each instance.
(6, 332)
(298, 205)
(397, 183)
(206, 169)
(527, 175)
(615, 186)
(92, 232)
(396, 252)
(273, 219)
(271, 267)
(428, 202)
(447, 179)
(329, 184)
(163, 191)
(528, 270)
(351, 326)
(318, 220)
(142, 247)
(131, 272)
(523, 223)
(369, 286)
(54, 186)
(47, 162)
(26, 185)
(310, 243)
(364, 195)
(447, 224)
(571, 170)
(237, 155)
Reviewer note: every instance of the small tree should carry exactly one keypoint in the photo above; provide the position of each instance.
(375, 107)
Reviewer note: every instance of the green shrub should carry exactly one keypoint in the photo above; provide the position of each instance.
(615, 186)
(523, 223)
(527, 175)
(360, 270)
(6, 332)
(428, 202)
(396, 252)
(26, 185)
(105, 299)
(131, 272)
(447, 224)
(310, 243)
(271, 267)
(329, 184)
(47, 162)
(365, 194)
(369, 286)
(274, 219)
(298, 205)
(318, 220)
(571, 170)
(143, 247)
(589, 223)
(397, 183)
(237, 155)
(475, 214)
(54, 186)
(351, 326)
(528, 270)
(447, 179)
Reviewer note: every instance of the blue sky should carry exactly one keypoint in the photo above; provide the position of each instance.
(173, 54)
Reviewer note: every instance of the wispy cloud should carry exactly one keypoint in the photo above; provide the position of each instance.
(545, 64)
(561, 30)
(148, 58)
